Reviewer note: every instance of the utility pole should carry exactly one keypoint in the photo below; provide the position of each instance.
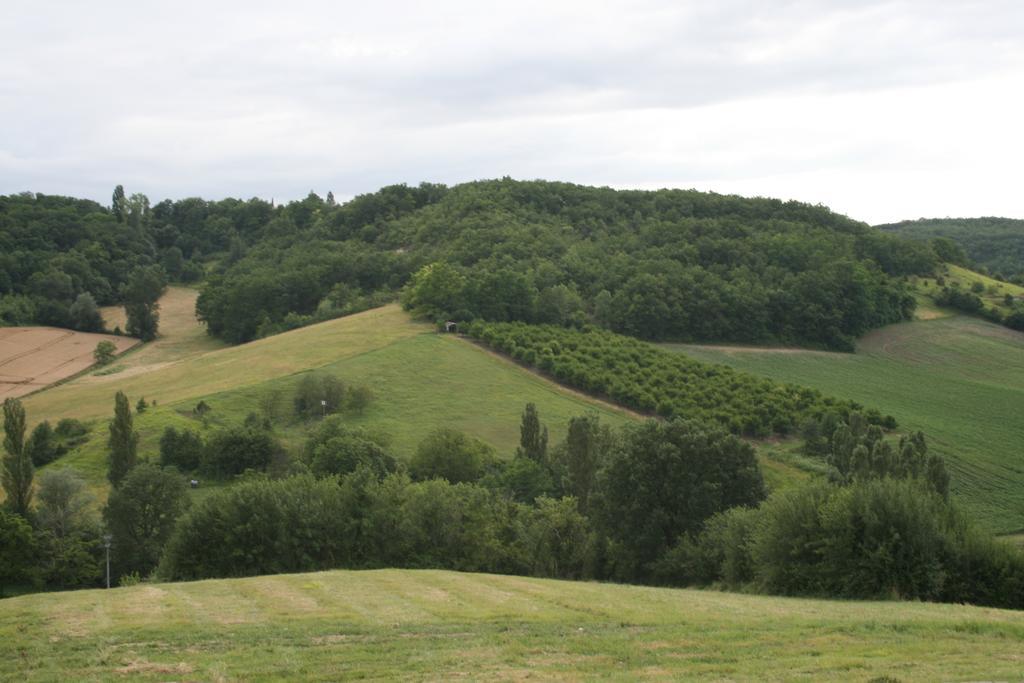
(106, 544)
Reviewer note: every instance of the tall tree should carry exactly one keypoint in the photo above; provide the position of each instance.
(138, 210)
(141, 514)
(69, 531)
(585, 449)
(17, 470)
(118, 204)
(17, 550)
(533, 437)
(124, 441)
(144, 288)
(85, 315)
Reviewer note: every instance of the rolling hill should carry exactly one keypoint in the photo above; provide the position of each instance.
(444, 625)
(959, 379)
(996, 243)
(421, 381)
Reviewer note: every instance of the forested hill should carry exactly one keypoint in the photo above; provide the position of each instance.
(669, 264)
(997, 244)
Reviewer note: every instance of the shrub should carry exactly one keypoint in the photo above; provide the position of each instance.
(234, 450)
(451, 455)
(104, 352)
(182, 449)
(336, 449)
(318, 394)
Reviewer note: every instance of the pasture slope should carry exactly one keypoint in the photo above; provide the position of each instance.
(421, 381)
(440, 625)
(958, 379)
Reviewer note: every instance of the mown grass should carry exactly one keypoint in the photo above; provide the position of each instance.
(440, 625)
(958, 379)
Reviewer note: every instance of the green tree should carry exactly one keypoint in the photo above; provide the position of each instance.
(69, 530)
(586, 448)
(182, 449)
(556, 536)
(85, 315)
(335, 449)
(359, 397)
(124, 441)
(138, 210)
(318, 394)
(533, 437)
(104, 352)
(452, 455)
(435, 291)
(664, 480)
(140, 516)
(141, 293)
(42, 447)
(234, 450)
(119, 204)
(17, 465)
(17, 550)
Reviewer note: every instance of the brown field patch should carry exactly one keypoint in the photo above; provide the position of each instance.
(32, 358)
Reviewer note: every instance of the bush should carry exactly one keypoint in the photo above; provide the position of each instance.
(336, 449)
(234, 450)
(182, 449)
(104, 352)
(452, 455)
(720, 553)
(42, 446)
(880, 538)
(318, 394)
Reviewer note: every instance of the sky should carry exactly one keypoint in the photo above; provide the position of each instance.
(881, 110)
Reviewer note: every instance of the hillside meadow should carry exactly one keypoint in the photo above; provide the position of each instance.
(440, 625)
(421, 380)
(958, 379)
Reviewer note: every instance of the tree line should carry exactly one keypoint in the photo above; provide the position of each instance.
(672, 502)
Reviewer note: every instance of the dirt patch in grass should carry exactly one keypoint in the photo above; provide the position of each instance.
(141, 666)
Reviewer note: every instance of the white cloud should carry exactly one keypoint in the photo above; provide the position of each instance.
(883, 110)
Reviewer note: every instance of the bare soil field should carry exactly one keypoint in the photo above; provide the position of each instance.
(32, 358)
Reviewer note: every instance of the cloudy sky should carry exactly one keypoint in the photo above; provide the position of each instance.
(882, 110)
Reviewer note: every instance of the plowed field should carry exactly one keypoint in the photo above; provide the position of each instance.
(35, 357)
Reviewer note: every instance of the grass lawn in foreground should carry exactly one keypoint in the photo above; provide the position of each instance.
(441, 625)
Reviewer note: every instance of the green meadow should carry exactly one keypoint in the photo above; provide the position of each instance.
(958, 379)
(421, 380)
(440, 625)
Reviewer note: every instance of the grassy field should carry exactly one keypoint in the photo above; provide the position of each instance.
(421, 381)
(958, 379)
(993, 295)
(439, 625)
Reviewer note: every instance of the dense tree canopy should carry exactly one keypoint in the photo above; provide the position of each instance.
(997, 244)
(670, 264)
